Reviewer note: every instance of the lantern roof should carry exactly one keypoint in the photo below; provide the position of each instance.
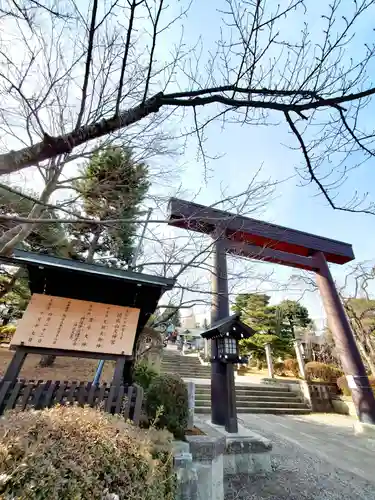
(230, 326)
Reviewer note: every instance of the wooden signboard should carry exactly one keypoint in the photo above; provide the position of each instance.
(78, 325)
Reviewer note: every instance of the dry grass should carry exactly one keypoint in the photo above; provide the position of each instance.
(63, 369)
(264, 374)
(195, 431)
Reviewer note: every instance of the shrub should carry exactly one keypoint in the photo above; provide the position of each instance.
(6, 333)
(322, 372)
(342, 384)
(291, 365)
(67, 453)
(170, 393)
(143, 374)
(279, 368)
(344, 387)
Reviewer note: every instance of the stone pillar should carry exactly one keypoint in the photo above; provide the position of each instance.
(362, 395)
(191, 400)
(301, 361)
(208, 457)
(267, 348)
(186, 474)
(219, 310)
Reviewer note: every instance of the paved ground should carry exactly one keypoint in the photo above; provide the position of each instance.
(315, 457)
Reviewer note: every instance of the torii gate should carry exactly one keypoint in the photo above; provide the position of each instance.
(260, 240)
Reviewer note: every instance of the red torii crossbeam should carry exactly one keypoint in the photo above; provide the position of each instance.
(258, 239)
(251, 238)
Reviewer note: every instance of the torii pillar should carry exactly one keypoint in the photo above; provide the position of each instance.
(219, 310)
(345, 343)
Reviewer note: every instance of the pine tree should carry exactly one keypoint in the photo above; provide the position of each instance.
(114, 185)
(255, 311)
(292, 315)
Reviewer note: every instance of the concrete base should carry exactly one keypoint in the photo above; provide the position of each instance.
(366, 430)
(245, 451)
(204, 464)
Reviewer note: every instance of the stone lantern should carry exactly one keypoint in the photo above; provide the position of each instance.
(226, 334)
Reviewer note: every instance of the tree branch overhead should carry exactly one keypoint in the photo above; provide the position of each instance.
(87, 71)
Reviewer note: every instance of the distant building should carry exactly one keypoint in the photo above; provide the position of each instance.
(189, 322)
(310, 340)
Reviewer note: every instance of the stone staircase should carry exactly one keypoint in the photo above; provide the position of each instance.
(185, 366)
(256, 399)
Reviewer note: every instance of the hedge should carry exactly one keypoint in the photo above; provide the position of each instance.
(167, 400)
(71, 453)
(322, 372)
(144, 374)
(291, 365)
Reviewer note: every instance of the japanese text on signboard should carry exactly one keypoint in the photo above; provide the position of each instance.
(60, 323)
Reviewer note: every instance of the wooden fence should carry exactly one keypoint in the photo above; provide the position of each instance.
(26, 394)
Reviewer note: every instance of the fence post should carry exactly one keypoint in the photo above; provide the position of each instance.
(267, 348)
(301, 362)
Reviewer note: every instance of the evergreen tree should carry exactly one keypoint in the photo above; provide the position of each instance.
(255, 311)
(273, 324)
(292, 315)
(113, 186)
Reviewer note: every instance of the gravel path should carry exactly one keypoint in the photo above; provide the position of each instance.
(300, 473)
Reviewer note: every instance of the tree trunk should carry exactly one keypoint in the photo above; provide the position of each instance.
(64, 144)
(364, 353)
(93, 245)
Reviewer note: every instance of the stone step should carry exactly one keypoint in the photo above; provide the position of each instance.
(183, 365)
(191, 375)
(253, 387)
(273, 411)
(185, 373)
(195, 361)
(265, 399)
(177, 357)
(259, 404)
(174, 366)
(253, 394)
(185, 370)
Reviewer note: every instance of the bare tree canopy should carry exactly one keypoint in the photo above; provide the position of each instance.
(73, 73)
